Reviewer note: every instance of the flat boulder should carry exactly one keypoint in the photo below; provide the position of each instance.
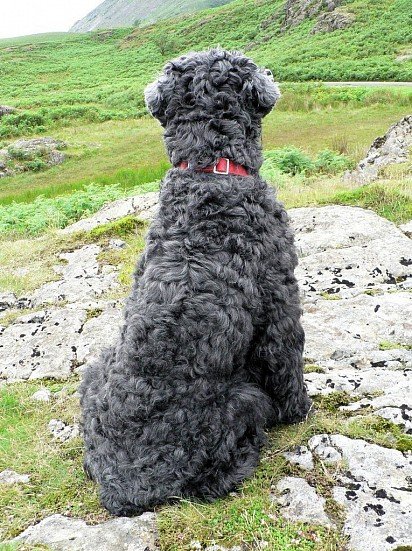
(62, 533)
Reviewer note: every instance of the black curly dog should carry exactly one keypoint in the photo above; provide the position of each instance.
(211, 350)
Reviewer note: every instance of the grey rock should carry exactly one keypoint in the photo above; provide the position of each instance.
(98, 333)
(63, 432)
(391, 148)
(376, 494)
(11, 477)
(144, 206)
(388, 392)
(82, 279)
(42, 395)
(357, 326)
(322, 447)
(373, 485)
(6, 110)
(383, 264)
(337, 227)
(117, 244)
(336, 20)
(302, 457)
(41, 344)
(297, 11)
(300, 502)
(69, 534)
(407, 228)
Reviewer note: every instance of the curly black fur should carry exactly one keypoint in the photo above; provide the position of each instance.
(211, 350)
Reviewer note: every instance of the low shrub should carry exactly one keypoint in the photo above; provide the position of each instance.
(292, 160)
(31, 219)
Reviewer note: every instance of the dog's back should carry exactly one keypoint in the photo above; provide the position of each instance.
(210, 353)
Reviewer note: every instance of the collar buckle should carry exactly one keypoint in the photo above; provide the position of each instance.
(226, 170)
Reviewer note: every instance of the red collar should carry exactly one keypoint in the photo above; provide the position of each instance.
(223, 166)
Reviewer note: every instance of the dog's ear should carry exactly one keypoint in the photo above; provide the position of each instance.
(261, 92)
(158, 94)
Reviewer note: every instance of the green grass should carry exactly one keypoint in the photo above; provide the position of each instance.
(58, 484)
(389, 203)
(28, 263)
(131, 152)
(53, 83)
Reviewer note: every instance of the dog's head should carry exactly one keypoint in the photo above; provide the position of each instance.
(212, 84)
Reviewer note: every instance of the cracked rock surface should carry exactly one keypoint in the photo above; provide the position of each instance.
(122, 534)
(355, 276)
(299, 501)
(82, 278)
(373, 485)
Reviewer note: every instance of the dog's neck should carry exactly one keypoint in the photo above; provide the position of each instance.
(201, 142)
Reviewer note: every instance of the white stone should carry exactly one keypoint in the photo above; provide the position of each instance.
(42, 395)
(11, 477)
(81, 279)
(41, 345)
(301, 457)
(63, 432)
(300, 502)
(69, 534)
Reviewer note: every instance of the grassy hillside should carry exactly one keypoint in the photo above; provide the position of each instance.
(55, 79)
(126, 13)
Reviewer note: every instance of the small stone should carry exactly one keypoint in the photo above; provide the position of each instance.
(302, 457)
(63, 432)
(300, 502)
(42, 395)
(11, 477)
(7, 301)
(322, 448)
(117, 244)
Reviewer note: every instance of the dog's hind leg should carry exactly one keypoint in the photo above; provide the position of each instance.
(276, 362)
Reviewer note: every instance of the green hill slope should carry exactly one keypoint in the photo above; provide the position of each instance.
(126, 13)
(55, 79)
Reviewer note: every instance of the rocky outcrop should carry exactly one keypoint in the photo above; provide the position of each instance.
(355, 274)
(6, 110)
(82, 279)
(333, 21)
(371, 483)
(143, 206)
(297, 11)
(34, 154)
(393, 147)
(62, 533)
